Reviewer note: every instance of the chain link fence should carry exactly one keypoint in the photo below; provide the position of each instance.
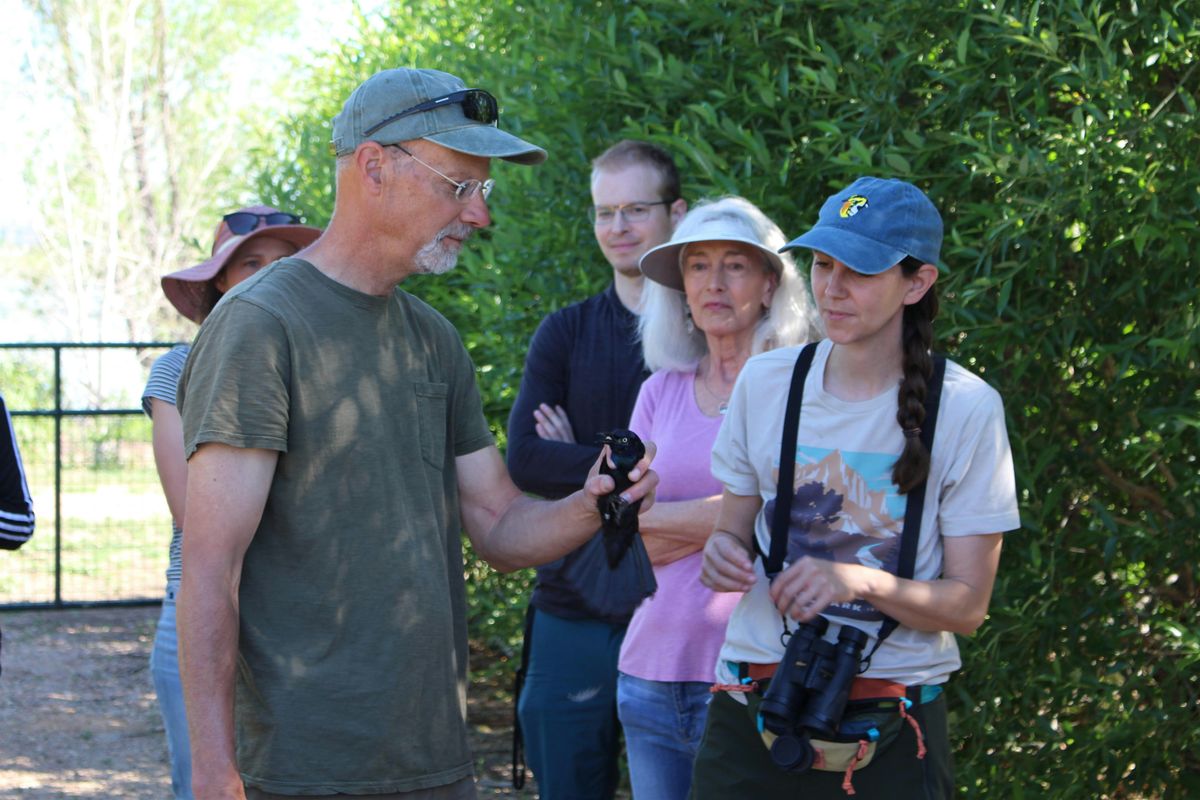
(102, 522)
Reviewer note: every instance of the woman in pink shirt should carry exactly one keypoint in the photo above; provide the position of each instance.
(718, 293)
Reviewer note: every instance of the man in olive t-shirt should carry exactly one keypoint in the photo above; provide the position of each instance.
(336, 448)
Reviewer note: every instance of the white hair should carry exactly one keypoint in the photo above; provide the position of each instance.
(667, 344)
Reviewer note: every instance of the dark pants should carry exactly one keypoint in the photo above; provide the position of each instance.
(734, 762)
(568, 707)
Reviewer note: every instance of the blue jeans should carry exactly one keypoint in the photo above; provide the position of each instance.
(663, 723)
(164, 668)
(568, 708)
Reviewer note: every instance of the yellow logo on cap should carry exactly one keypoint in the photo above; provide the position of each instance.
(852, 205)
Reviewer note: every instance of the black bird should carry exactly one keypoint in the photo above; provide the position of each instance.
(619, 519)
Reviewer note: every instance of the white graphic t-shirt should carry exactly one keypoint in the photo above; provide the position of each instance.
(847, 509)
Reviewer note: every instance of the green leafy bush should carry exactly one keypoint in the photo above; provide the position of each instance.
(1059, 140)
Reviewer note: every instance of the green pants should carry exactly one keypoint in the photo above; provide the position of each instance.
(733, 762)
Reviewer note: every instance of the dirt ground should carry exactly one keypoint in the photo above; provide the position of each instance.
(78, 718)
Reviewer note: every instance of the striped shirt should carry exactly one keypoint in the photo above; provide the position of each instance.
(164, 378)
(16, 506)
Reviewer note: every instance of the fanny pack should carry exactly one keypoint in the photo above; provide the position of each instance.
(874, 717)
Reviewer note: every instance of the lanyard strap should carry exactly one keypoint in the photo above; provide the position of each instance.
(914, 501)
(773, 562)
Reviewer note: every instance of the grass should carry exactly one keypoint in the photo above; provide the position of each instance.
(114, 536)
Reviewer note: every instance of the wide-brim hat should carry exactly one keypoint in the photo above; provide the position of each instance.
(190, 291)
(392, 91)
(707, 223)
(872, 224)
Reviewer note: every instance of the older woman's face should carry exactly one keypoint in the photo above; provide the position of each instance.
(249, 258)
(728, 286)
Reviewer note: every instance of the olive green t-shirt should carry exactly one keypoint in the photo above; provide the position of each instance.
(353, 644)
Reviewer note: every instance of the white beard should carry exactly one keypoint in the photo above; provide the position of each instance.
(433, 258)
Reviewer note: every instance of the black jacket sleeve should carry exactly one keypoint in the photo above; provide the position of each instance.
(16, 507)
(548, 469)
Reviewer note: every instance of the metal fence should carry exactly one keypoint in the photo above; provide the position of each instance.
(102, 523)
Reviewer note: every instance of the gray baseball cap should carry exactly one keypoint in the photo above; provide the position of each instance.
(399, 105)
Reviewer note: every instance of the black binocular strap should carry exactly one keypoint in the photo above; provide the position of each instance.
(784, 491)
(518, 740)
(915, 501)
(773, 561)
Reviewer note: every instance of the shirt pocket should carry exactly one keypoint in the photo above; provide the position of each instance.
(431, 421)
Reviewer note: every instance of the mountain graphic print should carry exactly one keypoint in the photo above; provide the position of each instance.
(845, 509)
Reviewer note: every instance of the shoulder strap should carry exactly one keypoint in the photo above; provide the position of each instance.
(518, 740)
(915, 502)
(773, 561)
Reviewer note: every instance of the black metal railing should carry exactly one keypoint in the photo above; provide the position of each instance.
(108, 523)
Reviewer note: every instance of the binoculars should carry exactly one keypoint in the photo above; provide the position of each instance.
(808, 693)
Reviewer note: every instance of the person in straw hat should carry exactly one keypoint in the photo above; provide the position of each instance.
(717, 293)
(246, 241)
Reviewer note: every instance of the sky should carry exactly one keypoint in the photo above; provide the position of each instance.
(14, 36)
(321, 24)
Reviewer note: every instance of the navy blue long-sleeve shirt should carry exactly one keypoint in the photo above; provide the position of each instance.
(586, 358)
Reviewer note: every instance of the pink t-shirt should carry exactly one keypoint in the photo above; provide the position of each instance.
(676, 634)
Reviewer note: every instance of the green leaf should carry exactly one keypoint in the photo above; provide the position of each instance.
(898, 163)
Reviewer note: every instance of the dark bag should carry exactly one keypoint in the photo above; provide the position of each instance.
(870, 723)
(602, 591)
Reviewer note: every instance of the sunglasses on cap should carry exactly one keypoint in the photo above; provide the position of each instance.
(477, 106)
(242, 222)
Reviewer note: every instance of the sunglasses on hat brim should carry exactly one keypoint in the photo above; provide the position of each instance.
(243, 222)
(477, 106)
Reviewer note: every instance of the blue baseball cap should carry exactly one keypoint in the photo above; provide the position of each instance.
(871, 225)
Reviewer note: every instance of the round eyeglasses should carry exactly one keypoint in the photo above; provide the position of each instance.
(632, 212)
(464, 191)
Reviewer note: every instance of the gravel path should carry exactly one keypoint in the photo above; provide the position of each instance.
(77, 708)
(78, 718)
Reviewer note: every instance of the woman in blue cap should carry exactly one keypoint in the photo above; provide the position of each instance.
(856, 706)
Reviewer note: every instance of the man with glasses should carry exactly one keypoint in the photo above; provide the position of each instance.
(582, 376)
(337, 448)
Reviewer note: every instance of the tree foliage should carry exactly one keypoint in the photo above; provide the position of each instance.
(142, 133)
(1059, 140)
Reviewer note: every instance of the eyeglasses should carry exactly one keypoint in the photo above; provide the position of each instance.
(463, 192)
(242, 222)
(477, 106)
(632, 212)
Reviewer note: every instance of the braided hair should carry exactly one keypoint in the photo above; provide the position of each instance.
(912, 467)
